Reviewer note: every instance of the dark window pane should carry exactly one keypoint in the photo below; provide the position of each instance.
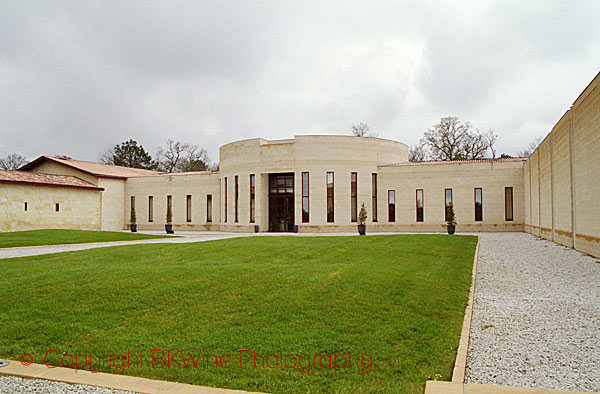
(478, 205)
(508, 203)
(419, 205)
(353, 197)
(448, 198)
(330, 191)
(391, 205)
(374, 196)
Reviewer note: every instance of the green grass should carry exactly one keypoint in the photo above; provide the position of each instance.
(397, 298)
(56, 237)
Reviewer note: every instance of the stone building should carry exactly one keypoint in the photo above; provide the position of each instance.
(317, 183)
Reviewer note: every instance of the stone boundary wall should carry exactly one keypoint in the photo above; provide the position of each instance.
(562, 178)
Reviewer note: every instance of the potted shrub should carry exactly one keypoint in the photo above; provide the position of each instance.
(362, 219)
(132, 225)
(450, 219)
(169, 225)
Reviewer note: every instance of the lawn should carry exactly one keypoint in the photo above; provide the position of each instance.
(399, 299)
(56, 237)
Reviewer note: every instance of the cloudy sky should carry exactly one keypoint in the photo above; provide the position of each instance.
(79, 76)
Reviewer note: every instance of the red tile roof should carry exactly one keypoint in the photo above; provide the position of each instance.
(437, 162)
(33, 178)
(96, 169)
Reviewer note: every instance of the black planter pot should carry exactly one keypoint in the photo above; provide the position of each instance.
(451, 228)
(362, 229)
(169, 229)
(133, 228)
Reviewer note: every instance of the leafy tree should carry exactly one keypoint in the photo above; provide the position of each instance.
(452, 139)
(128, 154)
(505, 156)
(177, 156)
(12, 162)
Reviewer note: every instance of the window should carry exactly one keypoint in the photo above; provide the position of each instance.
(236, 196)
(252, 196)
(478, 204)
(353, 197)
(448, 196)
(391, 205)
(374, 196)
(57, 207)
(225, 194)
(132, 203)
(508, 204)
(170, 207)
(330, 211)
(150, 208)
(305, 202)
(188, 208)
(419, 205)
(209, 208)
(25, 206)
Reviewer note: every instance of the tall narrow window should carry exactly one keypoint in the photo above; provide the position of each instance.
(252, 196)
(508, 204)
(188, 208)
(236, 196)
(478, 204)
(150, 208)
(353, 197)
(330, 190)
(305, 202)
(57, 207)
(448, 197)
(209, 208)
(132, 206)
(374, 196)
(170, 206)
(391, 205)
(225, 219)
(419, 205)
(25, 207)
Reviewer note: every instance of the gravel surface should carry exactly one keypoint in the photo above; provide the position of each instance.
(14, 384)
(49, 249)
(536, 315)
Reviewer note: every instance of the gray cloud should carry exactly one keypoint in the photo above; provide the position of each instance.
(79, 76)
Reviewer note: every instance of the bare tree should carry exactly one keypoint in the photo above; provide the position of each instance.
(531, 147)
(452, 139)
(492, 137)
(360, 130)
(417, 153)
(177, 156)
(12, 162)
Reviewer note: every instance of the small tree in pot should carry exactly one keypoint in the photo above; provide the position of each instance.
(450, 219)
(132, 220)
(362, 219)
(169, 225)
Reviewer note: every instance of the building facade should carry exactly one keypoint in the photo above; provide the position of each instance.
(318, 183)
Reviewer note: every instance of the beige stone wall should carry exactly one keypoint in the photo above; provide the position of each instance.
(112, 203)
(178, 186)
(491, 177)
(79, 208)
(565, 169)
(110, 215)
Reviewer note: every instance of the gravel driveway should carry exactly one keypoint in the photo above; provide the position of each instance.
(536, 315)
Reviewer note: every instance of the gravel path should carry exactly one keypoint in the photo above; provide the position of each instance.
(536, 315)
(37, 250)
(14, 384)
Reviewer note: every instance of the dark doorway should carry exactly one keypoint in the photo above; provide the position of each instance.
(281, 202)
